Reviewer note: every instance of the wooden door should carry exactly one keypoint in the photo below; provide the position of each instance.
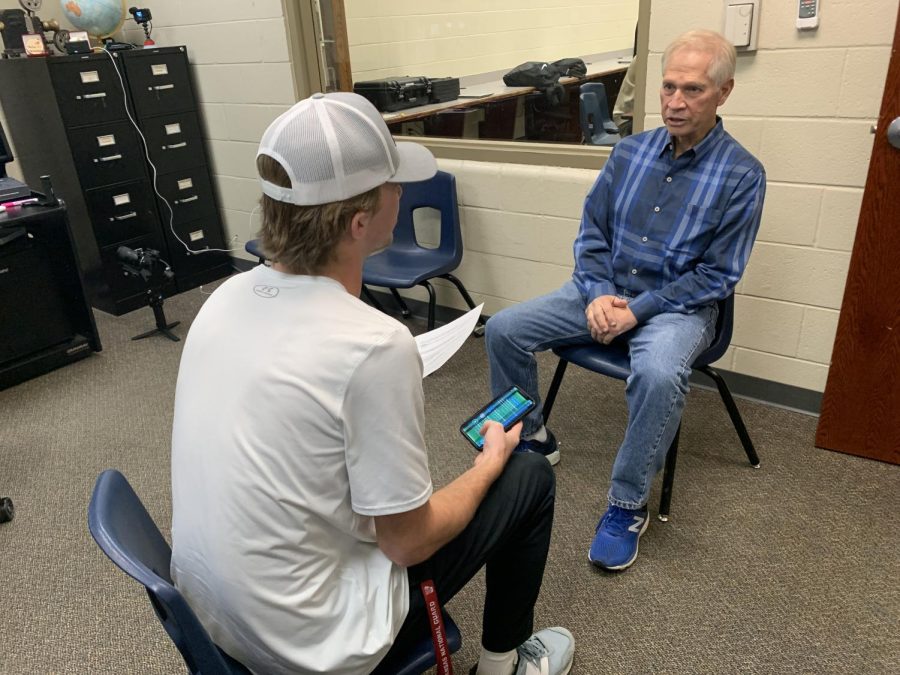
(861, 406)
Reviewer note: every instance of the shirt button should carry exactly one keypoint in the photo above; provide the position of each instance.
(668, 179)
(634, 271)
(656, 209)
(643, 238)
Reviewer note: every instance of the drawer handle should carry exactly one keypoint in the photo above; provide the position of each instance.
(187, 199)
(99, 94)
(108, 158)
(160, 87)
(130, 214)
(173, 146)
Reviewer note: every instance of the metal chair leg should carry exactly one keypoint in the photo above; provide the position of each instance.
(665, 499)
(371, 298)
(479, 330)
(404, 310)
(431, 303)
(554, 388)
(734, 414)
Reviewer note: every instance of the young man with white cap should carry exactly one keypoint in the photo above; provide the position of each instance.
(304, 517)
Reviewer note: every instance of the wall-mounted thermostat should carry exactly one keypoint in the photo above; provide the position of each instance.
(807, 14)
(742, 23)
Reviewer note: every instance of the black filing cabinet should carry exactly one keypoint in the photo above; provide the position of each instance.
(68, 117)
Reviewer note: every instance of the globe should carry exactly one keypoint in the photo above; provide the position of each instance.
(99, 18)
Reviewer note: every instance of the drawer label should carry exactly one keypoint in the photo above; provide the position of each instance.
(108, 139)
(185, 184)
(159, 69)
(88, 76)
(121, 199)
(172, 129)
(196, 235)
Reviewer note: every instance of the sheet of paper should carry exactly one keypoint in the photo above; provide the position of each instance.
(438, 345)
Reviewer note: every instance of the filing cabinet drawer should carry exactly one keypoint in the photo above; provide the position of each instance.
(107, 153)
(159, 81)
(121, 212)
(199, 235)
(174, 141)
(87, 89)
(188, 192)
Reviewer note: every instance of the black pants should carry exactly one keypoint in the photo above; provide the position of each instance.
(510, 534)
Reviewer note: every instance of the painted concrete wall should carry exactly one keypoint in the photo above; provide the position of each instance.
(452, 39)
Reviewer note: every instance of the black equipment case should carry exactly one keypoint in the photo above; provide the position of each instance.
(397, 94)
(443, 89)
(408, 92)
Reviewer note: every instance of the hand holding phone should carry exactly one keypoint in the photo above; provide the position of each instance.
(507, 409)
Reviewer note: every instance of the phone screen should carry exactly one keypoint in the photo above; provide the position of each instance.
(507, 409)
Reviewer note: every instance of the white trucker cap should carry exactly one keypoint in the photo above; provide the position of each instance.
(336, 146)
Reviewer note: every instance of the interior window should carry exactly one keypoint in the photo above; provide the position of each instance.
(436, 69)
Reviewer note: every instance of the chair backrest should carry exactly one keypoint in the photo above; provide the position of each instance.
(127, 534)
(597, 126)
(438, 193)
(724, 326)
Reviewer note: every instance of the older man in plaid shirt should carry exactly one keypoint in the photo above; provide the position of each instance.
(666, 232)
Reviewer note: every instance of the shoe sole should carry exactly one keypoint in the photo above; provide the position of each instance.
(553, 458)
(628, 563)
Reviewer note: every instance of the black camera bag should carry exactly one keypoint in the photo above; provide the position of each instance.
(570, 67)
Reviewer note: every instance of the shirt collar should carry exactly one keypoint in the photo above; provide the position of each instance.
(703, 147)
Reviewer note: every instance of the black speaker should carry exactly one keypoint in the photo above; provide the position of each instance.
(34, 314)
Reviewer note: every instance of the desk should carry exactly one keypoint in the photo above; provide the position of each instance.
(494, 107)
(45, 319)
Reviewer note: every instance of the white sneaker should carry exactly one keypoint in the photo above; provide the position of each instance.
(547, 652)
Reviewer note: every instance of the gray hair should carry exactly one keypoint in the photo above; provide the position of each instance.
(724, 56)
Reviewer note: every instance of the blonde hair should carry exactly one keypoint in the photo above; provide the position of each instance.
(724, 55)
(304, 238)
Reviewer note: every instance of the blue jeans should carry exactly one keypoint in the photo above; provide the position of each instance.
(661, 351)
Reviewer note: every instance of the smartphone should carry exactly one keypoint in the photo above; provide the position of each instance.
(508, 408)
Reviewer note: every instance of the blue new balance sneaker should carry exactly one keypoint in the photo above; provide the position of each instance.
(615, 545)
(548, 448)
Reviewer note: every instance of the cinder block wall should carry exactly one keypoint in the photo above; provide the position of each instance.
(804, 104)
(452, 39)
(242, 71)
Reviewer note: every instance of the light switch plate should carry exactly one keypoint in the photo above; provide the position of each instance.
(741, 23)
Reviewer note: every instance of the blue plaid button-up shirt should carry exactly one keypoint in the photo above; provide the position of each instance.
(669, 234)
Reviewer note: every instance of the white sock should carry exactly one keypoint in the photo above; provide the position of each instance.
(540, 435)
(496, 663)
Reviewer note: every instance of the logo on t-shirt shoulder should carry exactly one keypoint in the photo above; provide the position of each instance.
(266, 291)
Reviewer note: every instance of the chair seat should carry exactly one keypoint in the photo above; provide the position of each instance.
(422, 656)
(405, 267)
(610, 360)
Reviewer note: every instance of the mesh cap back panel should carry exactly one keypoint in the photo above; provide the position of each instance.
(362, 147)
(305, 147)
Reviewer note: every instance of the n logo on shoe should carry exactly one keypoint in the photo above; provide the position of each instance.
(636, 526)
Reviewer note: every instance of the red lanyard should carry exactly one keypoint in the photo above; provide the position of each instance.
(444, 665)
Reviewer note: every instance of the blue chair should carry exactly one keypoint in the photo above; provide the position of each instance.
(127, 534)
(597, 126)
(253, 248)
(406, 263)
(613, 361)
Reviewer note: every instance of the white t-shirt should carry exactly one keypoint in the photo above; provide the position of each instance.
(298, 416)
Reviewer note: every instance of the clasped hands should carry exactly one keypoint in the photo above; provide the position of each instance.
(609, 316)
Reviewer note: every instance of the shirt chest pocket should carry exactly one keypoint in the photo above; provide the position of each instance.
(694, 230)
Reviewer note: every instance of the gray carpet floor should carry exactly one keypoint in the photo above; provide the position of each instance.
(792, 568)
